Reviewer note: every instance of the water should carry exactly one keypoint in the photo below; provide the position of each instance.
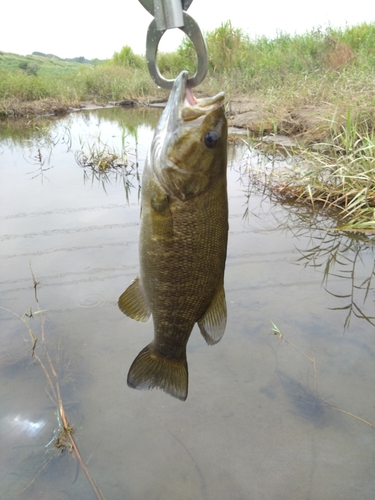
(264, 416)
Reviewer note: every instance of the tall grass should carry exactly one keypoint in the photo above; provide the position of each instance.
(332, 70)
(289, 70)
(269, 63)
(128, 59)
(101, 84)
(113, 83)
(21, 85)
(339, 174)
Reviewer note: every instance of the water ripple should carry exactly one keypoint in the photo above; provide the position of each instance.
(65, 211)
(68, 231)
(69, 249)
(92, 300)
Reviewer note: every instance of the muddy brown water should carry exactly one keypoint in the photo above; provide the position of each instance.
(261, 420)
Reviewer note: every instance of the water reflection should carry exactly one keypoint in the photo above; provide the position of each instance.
(15, 133)
(19, 425)
(256, 404)
(18, 132)
(132, 119)
(348, 266)
(346, 260)
(305, 400)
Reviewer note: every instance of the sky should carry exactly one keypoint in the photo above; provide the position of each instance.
(74, 28)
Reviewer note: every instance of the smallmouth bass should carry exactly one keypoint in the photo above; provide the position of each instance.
(183, 238)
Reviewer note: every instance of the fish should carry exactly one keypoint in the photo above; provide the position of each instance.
(182, 240)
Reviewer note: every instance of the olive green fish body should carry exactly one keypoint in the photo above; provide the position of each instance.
(183, 240)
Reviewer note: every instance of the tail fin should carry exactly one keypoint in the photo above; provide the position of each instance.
(150, 370)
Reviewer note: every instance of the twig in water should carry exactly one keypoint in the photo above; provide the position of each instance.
(64, 439)
(278, 332)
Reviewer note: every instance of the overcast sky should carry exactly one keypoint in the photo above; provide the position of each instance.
(92, 29)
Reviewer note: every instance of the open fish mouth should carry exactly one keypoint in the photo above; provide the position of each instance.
(191, 107)
(194, 108)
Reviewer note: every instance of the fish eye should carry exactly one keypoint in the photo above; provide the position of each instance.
(211, 139)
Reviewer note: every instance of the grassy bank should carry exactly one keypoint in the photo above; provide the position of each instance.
(338, 175)
(335, 67)
(318, 87)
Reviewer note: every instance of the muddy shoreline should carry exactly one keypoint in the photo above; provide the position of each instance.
(306, 124)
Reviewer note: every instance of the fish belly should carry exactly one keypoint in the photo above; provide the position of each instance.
(183, 246)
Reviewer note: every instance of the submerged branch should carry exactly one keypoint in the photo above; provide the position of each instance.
(281, 336)
(65, 438)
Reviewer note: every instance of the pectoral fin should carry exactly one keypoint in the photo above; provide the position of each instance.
(213, 322)
(161, 218)
(132, 302)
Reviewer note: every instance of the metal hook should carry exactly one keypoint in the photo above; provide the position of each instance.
(172, 14)
(192, 30)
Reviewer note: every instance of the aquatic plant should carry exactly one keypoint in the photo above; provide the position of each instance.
(102, 162)
(336, 174)
(305, 399)
(340, 255)
(64, 434)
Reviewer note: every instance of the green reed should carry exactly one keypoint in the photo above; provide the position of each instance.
(336, 174)
(303, 68)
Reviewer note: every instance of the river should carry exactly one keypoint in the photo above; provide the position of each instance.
(281, 408)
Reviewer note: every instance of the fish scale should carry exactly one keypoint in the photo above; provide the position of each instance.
(183, 239)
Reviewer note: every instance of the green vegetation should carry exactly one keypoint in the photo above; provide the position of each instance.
(331, 66)
(337, 174)
(128, 59)
(47, 65)
(300, 67)
(80, 59)
(34, 78)
(318, 87)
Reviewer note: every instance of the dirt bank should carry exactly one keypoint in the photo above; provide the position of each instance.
(307, 124)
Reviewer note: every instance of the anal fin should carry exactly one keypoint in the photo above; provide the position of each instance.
(212, 324)
(132, 302)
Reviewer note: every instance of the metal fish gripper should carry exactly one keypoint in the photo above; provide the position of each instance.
(169, 14)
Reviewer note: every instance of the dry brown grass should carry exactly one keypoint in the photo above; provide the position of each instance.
(335, 174)
(338, 55)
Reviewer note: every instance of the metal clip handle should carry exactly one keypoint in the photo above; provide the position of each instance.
(168, 14)
(191, 29)
(172, 14)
